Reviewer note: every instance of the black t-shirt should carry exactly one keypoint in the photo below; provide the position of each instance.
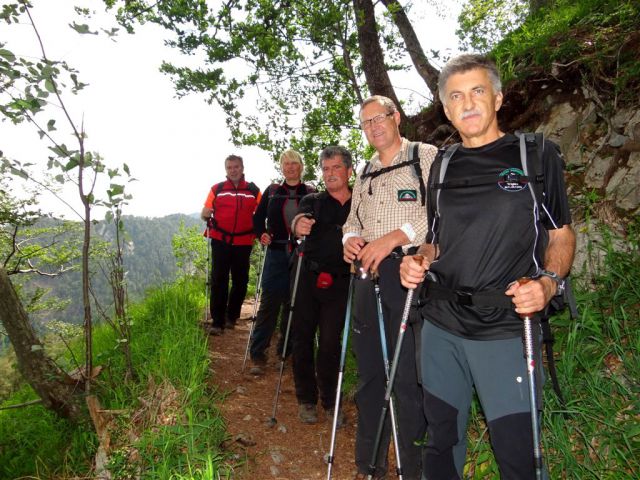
(487, 234)
(323, 246)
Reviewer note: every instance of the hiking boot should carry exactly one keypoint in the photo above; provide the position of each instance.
(229, 324)
(308, 413)
(340, 419)
(364, 476)
(257, 369)
(216, 331)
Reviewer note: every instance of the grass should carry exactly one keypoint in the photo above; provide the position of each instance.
(597, 35)
(168, 406)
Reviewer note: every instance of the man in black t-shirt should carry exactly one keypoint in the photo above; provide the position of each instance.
(322, 286)
(487, 236)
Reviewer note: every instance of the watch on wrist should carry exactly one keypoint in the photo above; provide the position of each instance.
(556, 278)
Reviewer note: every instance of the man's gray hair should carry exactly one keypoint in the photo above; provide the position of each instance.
(336, 150)
(464, 63)
(234, 158)
(386, 102)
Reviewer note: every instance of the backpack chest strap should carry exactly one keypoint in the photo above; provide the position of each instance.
(414, 162)
(488, 179)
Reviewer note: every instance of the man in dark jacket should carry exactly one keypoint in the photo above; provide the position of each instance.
(322, 286)
(228, 212)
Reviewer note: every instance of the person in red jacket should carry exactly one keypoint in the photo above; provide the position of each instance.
(228, 212)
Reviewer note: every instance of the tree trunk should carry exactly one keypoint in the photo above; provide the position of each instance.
(375, 70)
(427, 71)
(54, 386)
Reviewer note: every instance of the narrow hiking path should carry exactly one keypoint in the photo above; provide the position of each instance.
(290, 450)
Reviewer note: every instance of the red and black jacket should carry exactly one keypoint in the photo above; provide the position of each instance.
(233, 208)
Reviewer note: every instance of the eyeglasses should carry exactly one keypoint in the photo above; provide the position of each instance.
(364, 124)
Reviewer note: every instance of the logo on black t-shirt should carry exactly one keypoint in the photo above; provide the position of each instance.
(512, 180)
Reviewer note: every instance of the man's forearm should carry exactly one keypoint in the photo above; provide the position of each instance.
(206, 213)
(396, 238)
(558, 257)
(428, 250)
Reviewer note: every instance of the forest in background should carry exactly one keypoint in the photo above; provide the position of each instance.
(149, 255)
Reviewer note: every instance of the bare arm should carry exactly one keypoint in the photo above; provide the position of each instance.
(534, 296)
(374, 252)
(206, 213)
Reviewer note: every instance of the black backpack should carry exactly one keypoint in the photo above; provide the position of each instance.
(531, 156)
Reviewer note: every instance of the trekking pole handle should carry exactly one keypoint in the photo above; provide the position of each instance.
(524, 281)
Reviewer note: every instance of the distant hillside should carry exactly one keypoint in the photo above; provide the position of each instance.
(149, 261)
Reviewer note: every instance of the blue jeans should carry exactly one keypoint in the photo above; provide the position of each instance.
(273, 299)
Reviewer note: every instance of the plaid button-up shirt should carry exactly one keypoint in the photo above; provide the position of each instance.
(395, 200)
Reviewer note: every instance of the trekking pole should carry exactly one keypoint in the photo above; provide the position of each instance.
(261, 261)
(389, 404)
(390, 381)
(343, 355)
(272, 421)
(533, 393)
(207, 281)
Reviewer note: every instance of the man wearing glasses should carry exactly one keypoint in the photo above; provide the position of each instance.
(387, 217)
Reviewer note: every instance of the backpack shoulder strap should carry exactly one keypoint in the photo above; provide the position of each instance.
(414, 161)
(216, 189)
(253, 188)
(436, 180)
(414, 157)
(532, 167)
(365, 171)
(446, 157)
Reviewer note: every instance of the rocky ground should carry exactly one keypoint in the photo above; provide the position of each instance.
(288, 450)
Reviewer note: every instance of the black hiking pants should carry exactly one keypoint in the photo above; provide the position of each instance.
(234, 259)
(321, 310)
(371, 375)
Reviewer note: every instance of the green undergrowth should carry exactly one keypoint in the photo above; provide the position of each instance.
(164, 423)
(597, 434)
(599, 35)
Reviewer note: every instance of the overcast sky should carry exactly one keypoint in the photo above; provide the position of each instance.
(174, 147)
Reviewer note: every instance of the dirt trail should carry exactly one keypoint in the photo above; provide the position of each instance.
(290, 450)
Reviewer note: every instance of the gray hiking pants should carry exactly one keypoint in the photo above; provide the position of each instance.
(452, 367)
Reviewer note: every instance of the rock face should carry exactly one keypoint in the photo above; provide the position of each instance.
(602, 155)
(604, 152)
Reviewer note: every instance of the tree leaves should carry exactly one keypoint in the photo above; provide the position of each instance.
(82, 28)
(7, 55)
(49, 85)
(283, 58)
